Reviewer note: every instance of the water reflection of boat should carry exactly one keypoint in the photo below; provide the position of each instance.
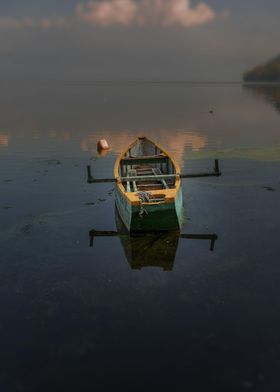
(149, 249)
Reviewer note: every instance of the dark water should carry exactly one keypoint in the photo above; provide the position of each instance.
(150, 313)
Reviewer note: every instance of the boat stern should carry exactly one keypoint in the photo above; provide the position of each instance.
(159, 212)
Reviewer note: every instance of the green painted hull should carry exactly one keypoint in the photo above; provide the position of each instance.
(157, 217)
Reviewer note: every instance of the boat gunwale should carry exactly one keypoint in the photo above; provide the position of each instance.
(131, 197)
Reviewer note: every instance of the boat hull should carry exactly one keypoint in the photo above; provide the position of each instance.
(155, 216)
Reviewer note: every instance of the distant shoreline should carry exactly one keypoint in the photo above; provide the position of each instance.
(268, 72)
(132, 82)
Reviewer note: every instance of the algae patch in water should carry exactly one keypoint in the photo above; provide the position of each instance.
(266, 154)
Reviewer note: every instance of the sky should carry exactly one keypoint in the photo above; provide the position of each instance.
(208, 40)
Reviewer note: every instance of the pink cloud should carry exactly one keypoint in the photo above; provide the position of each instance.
(180, 12)
(48, 23)
(163, 13)
(108, 12)
(139, 12)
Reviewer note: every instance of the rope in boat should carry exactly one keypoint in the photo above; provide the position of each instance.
(144, 197)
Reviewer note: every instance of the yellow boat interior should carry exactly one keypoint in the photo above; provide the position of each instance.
(146, 167)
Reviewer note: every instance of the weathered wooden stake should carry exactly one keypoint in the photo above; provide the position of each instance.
(89, 176)
(93, 180)
(215, 173)
(91, 240)
(217, 169)
(197, 175)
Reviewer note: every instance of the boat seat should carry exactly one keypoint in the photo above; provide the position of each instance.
(131, 173)
(141, 159)
(157, 171)
(144, 171)
(154, 179)
(149, 186)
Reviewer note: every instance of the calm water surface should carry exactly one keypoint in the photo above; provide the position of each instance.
(149, 312)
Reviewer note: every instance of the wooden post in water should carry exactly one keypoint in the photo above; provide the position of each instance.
(89, 176)
(216, 172)
(91, 237)
(216, 168)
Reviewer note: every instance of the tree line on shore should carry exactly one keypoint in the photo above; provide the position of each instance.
(268, 72)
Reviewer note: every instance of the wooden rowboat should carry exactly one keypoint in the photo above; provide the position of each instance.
(148, 188)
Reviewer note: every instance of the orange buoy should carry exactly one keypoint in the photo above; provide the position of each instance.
(102, 145)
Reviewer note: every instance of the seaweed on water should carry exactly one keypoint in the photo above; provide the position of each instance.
(54, 162)
(269, 188)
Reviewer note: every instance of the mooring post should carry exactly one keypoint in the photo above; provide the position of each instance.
(89, 176)
(91, 241)
(216, 168)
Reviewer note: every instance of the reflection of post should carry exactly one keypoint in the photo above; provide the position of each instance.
(101, 233)
(211, 237)
(150, 249)
(110, 233)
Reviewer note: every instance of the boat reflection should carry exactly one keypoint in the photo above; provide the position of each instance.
(149, 249)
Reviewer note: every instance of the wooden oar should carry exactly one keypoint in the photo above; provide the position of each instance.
(216, 172)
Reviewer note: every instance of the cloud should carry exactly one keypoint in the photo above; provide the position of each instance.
(104, 13)
(140, 12)
(108, 12)
(179, 12)
(48, 23)
(28, 22)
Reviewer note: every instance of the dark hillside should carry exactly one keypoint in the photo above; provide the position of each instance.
(269, 72)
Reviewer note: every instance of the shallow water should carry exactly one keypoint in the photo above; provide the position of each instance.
(81, 313)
